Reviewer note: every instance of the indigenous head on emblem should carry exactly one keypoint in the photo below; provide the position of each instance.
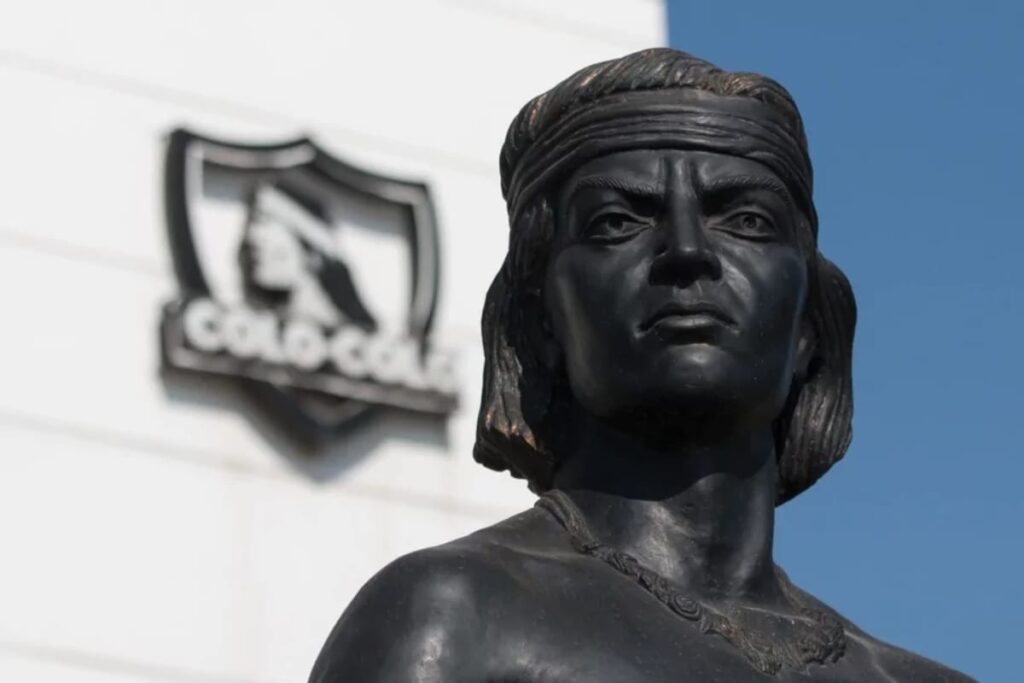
(289, 261)
(667, 359)
(297, 328)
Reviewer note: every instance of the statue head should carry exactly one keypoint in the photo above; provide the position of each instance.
(663, 266)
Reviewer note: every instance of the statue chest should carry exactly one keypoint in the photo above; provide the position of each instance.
(608, 637)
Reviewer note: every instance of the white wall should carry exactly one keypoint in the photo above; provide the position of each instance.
(157, 530)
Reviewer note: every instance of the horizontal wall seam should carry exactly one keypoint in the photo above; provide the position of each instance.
(20, 239)
(94, 256)
(624, 39)
(159, 93)
(81, 659)
(225, 463)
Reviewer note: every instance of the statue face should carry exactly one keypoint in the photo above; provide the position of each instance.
(676, 288)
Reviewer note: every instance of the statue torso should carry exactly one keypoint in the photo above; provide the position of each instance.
(536, 611)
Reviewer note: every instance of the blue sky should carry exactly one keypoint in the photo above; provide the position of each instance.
(914, 111)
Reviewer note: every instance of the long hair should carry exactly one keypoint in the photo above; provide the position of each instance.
(514, 428)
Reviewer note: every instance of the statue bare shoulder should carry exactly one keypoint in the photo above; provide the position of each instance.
(428, 615)
(903, 665)
(895, 662)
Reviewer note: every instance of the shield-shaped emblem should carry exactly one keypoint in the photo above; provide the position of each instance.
(309, 280)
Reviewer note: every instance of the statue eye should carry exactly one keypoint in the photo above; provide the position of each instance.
(749, 225)
(613, 226)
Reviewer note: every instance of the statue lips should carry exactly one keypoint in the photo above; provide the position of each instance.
(688, 322)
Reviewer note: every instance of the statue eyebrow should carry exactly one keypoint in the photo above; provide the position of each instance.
(737, 183)
(604, 182)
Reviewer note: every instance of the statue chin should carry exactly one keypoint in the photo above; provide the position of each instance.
(684, 397)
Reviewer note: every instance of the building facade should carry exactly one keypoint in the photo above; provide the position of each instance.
(156, 526)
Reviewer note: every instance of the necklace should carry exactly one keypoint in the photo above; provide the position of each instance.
(820, 637)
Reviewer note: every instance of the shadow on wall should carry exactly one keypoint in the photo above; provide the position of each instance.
(331, 456)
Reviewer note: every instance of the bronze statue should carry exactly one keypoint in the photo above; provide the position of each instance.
(667, 360)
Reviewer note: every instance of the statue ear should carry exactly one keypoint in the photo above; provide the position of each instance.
(806, 349)
(543, 339)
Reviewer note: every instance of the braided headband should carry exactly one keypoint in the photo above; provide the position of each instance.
(680, 118)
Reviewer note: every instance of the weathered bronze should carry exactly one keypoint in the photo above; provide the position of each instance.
(667, 360)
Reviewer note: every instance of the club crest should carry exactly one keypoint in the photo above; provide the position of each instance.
(312, 282)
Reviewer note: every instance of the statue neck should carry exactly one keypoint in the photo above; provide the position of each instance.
(700, 515)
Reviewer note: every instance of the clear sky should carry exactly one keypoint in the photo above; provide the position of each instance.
(914, 111)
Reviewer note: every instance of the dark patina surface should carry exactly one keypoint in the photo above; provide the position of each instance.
(667, 360)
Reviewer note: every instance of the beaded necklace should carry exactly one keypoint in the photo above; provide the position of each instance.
(820, 637)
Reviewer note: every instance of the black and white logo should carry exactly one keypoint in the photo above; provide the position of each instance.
(311, 280)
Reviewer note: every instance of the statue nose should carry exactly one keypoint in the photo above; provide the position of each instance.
(684, 252)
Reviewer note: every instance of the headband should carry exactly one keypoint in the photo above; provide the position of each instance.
(676, 118)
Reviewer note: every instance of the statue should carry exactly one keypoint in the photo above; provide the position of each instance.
(667, 360)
